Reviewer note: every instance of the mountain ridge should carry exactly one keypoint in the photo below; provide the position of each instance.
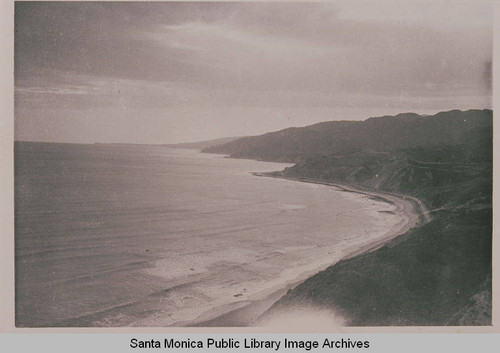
(377, 134)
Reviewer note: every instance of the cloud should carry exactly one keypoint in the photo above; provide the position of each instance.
(259, 45)
(219, 59)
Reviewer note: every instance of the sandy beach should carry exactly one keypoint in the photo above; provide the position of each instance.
(414, 214)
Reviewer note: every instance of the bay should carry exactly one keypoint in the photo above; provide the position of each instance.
(134, 235)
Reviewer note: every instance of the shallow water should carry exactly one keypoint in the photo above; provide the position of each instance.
(117, 235)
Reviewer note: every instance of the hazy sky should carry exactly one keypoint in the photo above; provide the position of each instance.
(174, 72)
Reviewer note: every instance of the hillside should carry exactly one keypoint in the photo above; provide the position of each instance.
(437, 274)
(375, 134)
(423, 171)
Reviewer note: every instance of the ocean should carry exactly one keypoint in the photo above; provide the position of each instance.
(135, 235)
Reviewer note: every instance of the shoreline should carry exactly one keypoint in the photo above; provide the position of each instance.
(246, 313)
(410, 205)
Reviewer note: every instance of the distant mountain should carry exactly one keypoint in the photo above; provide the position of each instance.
(380, 134)
(203, 144)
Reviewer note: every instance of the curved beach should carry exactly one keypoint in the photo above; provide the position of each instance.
(413, 213)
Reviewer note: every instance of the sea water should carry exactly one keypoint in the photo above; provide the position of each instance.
(131, 235)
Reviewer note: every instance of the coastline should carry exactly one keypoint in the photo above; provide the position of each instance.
(415, 209)
(247, 313)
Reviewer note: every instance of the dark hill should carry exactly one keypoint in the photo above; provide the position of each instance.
(380, 134)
